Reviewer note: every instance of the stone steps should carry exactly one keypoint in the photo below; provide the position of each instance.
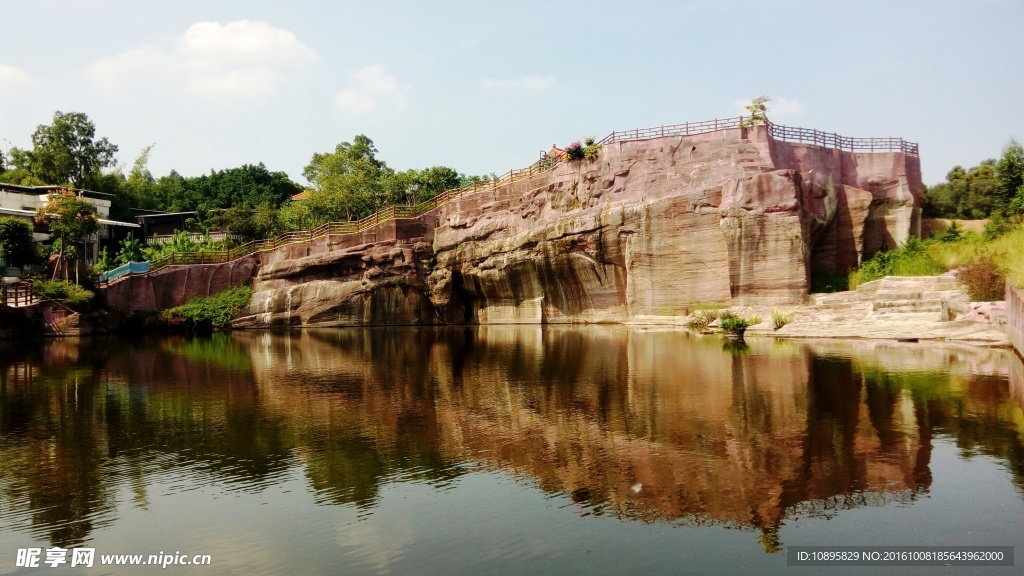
(891, 295)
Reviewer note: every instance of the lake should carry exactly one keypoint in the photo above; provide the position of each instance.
(496, 450)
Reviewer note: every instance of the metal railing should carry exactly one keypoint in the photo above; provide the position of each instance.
(775, 131)
(544, 164)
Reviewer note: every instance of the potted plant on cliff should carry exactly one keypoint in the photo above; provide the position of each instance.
(734, 327)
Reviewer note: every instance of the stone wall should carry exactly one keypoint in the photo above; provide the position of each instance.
(175, 285)
(1015, 317)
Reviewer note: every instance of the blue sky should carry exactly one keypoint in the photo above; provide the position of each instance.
(483, 86)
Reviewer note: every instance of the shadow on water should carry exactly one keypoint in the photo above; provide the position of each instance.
(640, 425)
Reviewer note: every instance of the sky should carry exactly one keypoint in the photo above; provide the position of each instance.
(484, 86)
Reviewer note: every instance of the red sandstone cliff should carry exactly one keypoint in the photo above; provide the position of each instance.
(652, 227)
(649, 228)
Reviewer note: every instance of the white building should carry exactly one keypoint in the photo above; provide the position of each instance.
(24, 201)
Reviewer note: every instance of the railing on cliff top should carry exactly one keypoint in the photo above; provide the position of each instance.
(545, 164)
(775, 131)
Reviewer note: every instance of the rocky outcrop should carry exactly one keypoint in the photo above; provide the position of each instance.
(379, 283)
(651, 228)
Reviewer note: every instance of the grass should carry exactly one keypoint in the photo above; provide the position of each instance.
(934, 256)
(1007, 251)
(206, 313)
(781, 317)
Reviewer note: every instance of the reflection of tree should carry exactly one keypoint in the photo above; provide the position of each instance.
(54, 467)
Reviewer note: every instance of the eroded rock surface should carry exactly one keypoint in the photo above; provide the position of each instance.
(380, 283)
(652, 228)
(645, 231)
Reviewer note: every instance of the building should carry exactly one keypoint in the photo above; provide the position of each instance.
(24, 201)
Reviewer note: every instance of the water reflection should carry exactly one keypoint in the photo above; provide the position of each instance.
(642, 425)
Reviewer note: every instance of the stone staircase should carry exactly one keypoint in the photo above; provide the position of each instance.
(919, 295)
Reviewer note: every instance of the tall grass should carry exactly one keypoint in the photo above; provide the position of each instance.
(1007, 251)
(911, 259)
(934, 256)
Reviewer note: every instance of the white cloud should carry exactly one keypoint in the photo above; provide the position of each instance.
(355, 102)
(231, 62)
(13, 80)
(533, 83)
(777, 107)
(372, 84)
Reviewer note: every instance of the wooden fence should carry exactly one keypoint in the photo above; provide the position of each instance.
(19, 294)
(544, 164)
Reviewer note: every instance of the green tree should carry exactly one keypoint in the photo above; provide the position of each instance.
(969, 194)
(349, 182)
(17, 247)
(1010, 179)
(130, 251)
(19, 169)
(70, 219)
(67, 151)
(248, 185)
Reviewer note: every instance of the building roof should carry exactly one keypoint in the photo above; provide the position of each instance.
(301, 195)
(40, 190)
(556, 152)
(163, 215)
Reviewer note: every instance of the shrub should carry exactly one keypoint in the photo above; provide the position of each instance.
(911, 259)
(700, 320)
(952, 234)
(755, 319)
(984, 280)
(734, 324)
(104, 262)
(574, 151)
(71, 294)
(725, 315)
(212, 312)
(781, 317)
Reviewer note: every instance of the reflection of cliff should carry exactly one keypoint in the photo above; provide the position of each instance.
(650, 423)
(637, 424)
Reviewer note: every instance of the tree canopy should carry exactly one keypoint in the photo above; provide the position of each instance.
(351, 182)
(994, 188)
(16, 245)
(67, 151)
(70, 219)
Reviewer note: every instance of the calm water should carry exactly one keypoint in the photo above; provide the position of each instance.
(505, 450)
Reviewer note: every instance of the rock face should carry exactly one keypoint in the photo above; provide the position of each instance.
(176, 285)
(643, 232)
(653, 227)
(333, 282)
